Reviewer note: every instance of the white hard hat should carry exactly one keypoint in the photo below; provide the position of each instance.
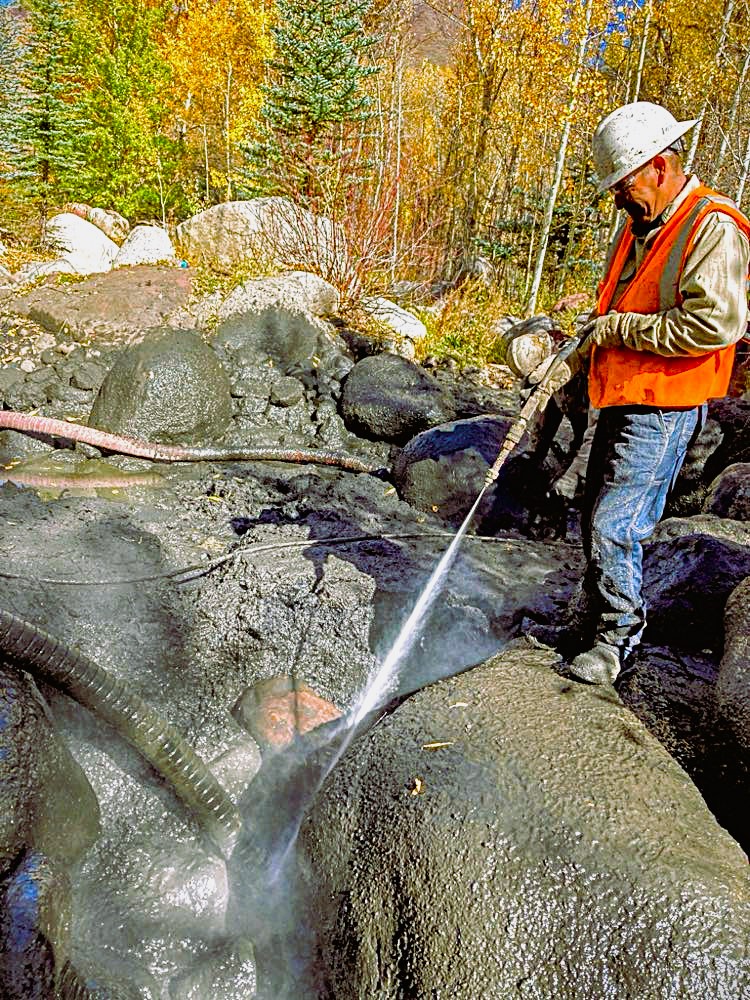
(630, 136)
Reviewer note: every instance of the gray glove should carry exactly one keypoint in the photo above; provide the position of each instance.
(602, 331)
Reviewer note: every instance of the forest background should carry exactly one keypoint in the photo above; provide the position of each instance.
(446, 138)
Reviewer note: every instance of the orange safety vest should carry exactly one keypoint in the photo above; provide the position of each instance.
(619, 376)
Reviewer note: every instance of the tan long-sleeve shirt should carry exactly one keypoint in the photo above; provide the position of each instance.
(713, 285)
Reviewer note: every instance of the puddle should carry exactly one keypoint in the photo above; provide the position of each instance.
(65, 473)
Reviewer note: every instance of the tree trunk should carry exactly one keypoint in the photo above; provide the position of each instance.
(559, 164)
(732, 118)
(706, 103)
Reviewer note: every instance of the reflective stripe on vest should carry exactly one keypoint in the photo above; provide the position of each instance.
(619, 376)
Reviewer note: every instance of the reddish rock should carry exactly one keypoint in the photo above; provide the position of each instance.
(578, 300)
(116, 307)
(276, 710)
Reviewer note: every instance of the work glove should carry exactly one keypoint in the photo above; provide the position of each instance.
(563, 372)
(602, 331)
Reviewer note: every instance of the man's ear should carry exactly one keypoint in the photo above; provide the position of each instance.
(659, 164)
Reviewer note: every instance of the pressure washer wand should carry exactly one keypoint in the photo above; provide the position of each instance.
(536, 401)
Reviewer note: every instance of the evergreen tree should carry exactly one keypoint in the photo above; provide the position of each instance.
(42, 125)
(314, 91)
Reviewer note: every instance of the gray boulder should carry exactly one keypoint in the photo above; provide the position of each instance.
(283, 336)
(395, 317)
(112, 223)
(273, 232)
(145, 245)
(510, 827)
(443, 470)
(690, 567)
(391, 399)
(295, 291)
(170, 388)
(81, 248)
(729, 494)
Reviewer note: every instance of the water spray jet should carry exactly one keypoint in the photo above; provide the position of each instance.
(379, 686)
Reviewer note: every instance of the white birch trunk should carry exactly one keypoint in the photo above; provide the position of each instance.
(717, 60)
(732, 118)
(562, 150)
(745, 173)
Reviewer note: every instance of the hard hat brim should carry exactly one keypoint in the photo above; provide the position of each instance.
(665, 140)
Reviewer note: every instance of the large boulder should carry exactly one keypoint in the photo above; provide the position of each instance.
(733, 683)
(270, 232)
(116, 307)
(145, 245)
(295, 291)
(391, 399)
(395, 317)
(285, 337)
(81, 248)
(112, 223)
(444, 469)
(509, 833)
(729, 494)
(690, 567)
(169, 388)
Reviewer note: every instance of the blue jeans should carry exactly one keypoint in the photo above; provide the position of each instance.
(636, 455)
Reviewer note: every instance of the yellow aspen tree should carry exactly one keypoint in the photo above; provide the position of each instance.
(217, 53)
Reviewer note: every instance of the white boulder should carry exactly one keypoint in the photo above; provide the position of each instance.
(267, 232)
(145, 245)
(81, 247)
(111, 223)
(296, 291)
(394, 316)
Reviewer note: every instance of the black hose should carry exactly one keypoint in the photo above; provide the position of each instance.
(107, 697)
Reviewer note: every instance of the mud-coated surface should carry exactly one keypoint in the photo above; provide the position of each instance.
(508, 834)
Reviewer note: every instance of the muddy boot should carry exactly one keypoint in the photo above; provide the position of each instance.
(598, 665)
(572, 632)
(565, 639)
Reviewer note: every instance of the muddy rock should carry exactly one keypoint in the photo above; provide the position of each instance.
(672, 693)
(170, 388)
(391, 399)
(690, 567)
(444, 468)
(729, 494)
(282, 337)
(453, 821)
(733, 684)
(732, 415)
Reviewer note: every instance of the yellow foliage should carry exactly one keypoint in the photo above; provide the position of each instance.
(217, 53)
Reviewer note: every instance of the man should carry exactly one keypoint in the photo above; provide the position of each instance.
(671, 307)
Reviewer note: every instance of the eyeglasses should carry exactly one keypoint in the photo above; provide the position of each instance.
(627, 183)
